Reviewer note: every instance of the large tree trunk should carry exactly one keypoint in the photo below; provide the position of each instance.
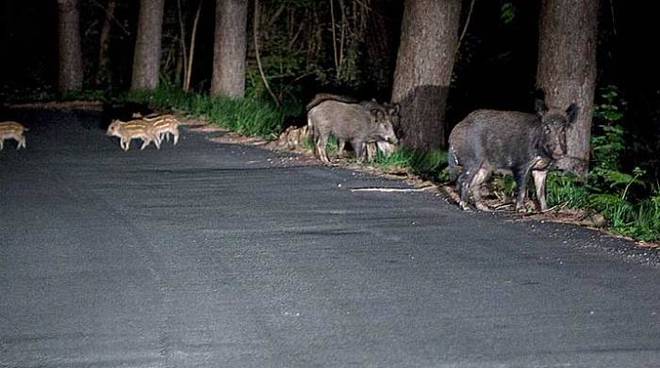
(146, 61)
(429, 34)
(567, 69)
(103, 74)
(70, 54)
(229, 48)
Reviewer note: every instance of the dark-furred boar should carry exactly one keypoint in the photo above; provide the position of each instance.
(358, 123)
(508, 141)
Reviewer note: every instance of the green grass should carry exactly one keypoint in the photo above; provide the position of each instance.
(430, 165)
(566, 190)
(637, 218)
(245, 116)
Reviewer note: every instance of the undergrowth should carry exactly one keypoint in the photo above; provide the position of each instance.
(245, 116)
(629, 200)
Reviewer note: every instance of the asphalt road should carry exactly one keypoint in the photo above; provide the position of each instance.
(213, 255)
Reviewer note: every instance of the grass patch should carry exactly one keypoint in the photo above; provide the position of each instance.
(566, 190)
(245, 116)
(430, 165)
(636, 218)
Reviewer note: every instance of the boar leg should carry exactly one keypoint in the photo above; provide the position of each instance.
(385, 148)
(21, 143)
(358, 146)
(175, 134)
(124, 144)
(321, 144)
(341, 144)
(372, 151)
(521, 176)
(479, 178)
(2, 144)
(155, 140)
(539, 184)
(464, 182)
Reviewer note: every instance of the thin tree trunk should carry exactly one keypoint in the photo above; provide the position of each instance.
(255, 31)
(146, 61)
(186, 85)
(230, 48)
(103, 72)
(429, 35)
(182, 42)
(333, 27)
(70, 54)
(567, 69)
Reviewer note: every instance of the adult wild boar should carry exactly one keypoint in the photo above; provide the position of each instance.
(348, 121)
(508, 141)
(390, 111)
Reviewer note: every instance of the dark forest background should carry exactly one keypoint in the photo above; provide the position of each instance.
(495, 67)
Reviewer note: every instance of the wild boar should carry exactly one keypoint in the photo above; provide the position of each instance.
(390, 113)
(12, 130)
(508, 141)
(348, 122)
(133, 129)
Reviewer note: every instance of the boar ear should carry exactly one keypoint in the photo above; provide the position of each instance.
(572, 112)
(540, 107)
(378, 113)
(539, 101)
(395, 109)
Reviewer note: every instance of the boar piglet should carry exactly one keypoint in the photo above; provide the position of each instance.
(508, 141)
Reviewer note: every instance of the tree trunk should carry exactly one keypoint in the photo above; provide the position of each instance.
(146, 61)
(229, 48)
(429, 34)
(70, 54)
(567, 69)
(103, 72)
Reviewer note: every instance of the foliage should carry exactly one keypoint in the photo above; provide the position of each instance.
(245, 116)
(308, 43)
(508, 13)
(608, 189)
(430, 165)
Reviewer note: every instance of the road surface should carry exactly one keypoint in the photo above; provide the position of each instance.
(215, 255)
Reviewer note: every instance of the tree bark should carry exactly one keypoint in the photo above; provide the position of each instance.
(230, 48)
(146, 61)
(103, 72)
(567, 69)
(429, 35)
(191, 57)
(70, 53)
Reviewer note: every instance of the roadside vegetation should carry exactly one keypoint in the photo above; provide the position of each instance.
(622, 190)
(625, 194)
(246, 116)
